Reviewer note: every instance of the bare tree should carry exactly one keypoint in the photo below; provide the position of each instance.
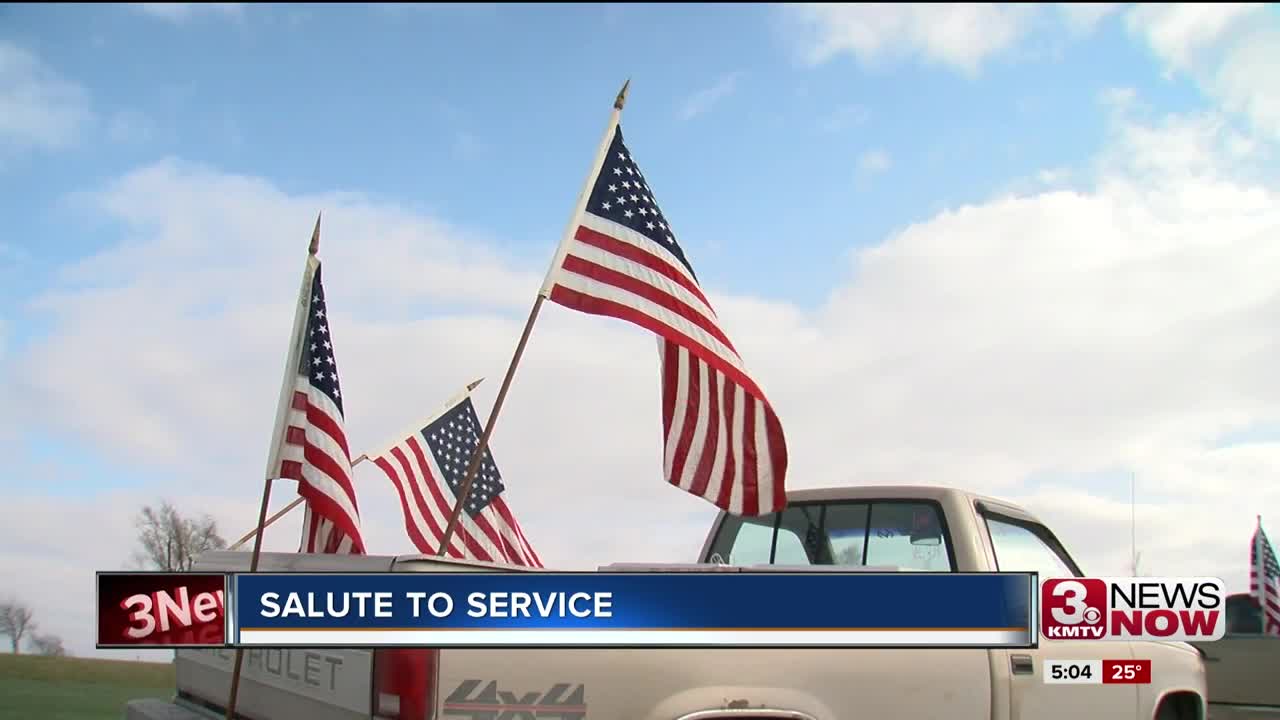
(48, 645)
(15, 621)
(172, 542)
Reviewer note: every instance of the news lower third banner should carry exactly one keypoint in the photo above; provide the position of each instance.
(600, 609)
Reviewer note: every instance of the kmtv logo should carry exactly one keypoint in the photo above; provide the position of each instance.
(1171, 609)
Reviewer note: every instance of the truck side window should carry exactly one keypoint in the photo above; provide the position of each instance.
(749, 541)
(1019, 548)
(1244, 615)
(904, 535)
(907, 536)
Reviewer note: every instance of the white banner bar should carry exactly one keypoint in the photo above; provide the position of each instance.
(634, 638)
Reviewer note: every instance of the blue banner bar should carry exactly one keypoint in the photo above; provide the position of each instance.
(630, 609)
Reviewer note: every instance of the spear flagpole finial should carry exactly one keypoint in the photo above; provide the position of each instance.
(315, 236)
(622, 95)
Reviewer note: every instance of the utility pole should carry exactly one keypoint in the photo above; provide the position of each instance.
(1133, 522)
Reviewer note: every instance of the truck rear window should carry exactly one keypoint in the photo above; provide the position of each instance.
(900, 534)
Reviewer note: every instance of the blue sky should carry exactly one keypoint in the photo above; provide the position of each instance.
(1021, 248)
(488, 115)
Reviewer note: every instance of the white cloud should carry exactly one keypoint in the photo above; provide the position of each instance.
(1230, 50)
(1050, 334)
(181, 12)
(874, 162)
(1178, 32)
(961, 36)
(1085, 17)
(705, 99)
(38, 107)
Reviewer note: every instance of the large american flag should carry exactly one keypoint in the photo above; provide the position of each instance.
(314, 449)
(723, 441)
(1264, 581)
(427, 469)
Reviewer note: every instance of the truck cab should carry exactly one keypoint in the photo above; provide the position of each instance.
(935, 529)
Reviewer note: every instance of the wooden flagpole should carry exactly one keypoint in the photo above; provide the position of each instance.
(299, 500)
(474, 466)
(282, 414)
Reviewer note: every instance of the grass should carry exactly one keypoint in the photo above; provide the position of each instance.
(34, 687)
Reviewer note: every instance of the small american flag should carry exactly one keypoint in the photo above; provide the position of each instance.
(427, 469)
(723, 441)
(1264, 581)
(313, 447)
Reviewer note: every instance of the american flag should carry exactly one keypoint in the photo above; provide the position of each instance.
(427, 469)
(313, 449)
(1264, 581)
(723, 441)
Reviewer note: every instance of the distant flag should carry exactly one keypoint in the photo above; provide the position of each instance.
(427, 467)
(1264, 580)
(311, 440)
(723, 441)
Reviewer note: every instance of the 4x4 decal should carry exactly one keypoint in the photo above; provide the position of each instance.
(478, 700)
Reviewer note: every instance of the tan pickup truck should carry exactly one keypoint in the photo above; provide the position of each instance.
(858, 527)
(1244, 666)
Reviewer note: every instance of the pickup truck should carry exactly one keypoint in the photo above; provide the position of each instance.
(907, 529)
(1243, 667)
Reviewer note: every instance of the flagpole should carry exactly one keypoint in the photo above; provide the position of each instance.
(365, 456)
(474, 466)
(282, 413)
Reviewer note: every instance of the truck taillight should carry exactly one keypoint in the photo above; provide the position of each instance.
(404, 683)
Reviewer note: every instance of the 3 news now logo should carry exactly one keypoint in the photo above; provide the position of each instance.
(1171, 609)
